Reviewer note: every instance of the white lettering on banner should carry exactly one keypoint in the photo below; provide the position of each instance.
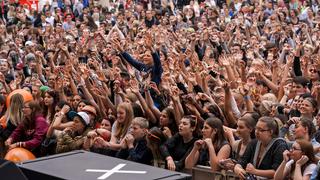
(114, 170)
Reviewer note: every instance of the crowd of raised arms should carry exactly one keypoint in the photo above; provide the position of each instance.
(233, 85)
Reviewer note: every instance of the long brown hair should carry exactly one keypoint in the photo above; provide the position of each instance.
(307, 149)
(155, 139)
(51, 108)
(219, 138)
(29, 122)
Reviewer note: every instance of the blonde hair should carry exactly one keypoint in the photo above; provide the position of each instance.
(122, 129)
(140, 121)
(14, 113)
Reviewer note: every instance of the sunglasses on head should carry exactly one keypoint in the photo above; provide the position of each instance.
(150, 135)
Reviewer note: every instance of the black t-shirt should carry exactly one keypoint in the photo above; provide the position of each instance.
(177, 149)
(272, 159)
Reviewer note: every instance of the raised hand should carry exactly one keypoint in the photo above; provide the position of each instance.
(154, 86)
(85, 70)
(101, 76)
(116, 44)
(134, 87)
(224, 61)
(148, 41)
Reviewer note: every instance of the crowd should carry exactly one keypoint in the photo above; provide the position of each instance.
(232, 85)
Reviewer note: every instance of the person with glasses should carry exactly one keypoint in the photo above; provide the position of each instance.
(31, 132)
(298, 163)
(313, 73)
(305, 129)
(212, 148)
(264, 154)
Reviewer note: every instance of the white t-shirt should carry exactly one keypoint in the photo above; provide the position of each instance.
(307, 171)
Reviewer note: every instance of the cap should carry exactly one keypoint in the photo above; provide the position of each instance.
(44, 88)
(29, 43)
(84, 117)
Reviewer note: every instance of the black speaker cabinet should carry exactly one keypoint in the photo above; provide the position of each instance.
(83, 165)
(9, 171)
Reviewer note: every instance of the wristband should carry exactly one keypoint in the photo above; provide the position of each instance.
(246, 97)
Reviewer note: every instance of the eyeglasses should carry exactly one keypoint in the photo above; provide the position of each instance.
(295, 149)
(261, 130)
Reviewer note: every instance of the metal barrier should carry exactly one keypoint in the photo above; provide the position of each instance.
(205, 173)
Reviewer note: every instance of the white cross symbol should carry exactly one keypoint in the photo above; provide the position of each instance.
(114, 170)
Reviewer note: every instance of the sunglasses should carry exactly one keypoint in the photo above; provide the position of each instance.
(312, 70)
(150, 135)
